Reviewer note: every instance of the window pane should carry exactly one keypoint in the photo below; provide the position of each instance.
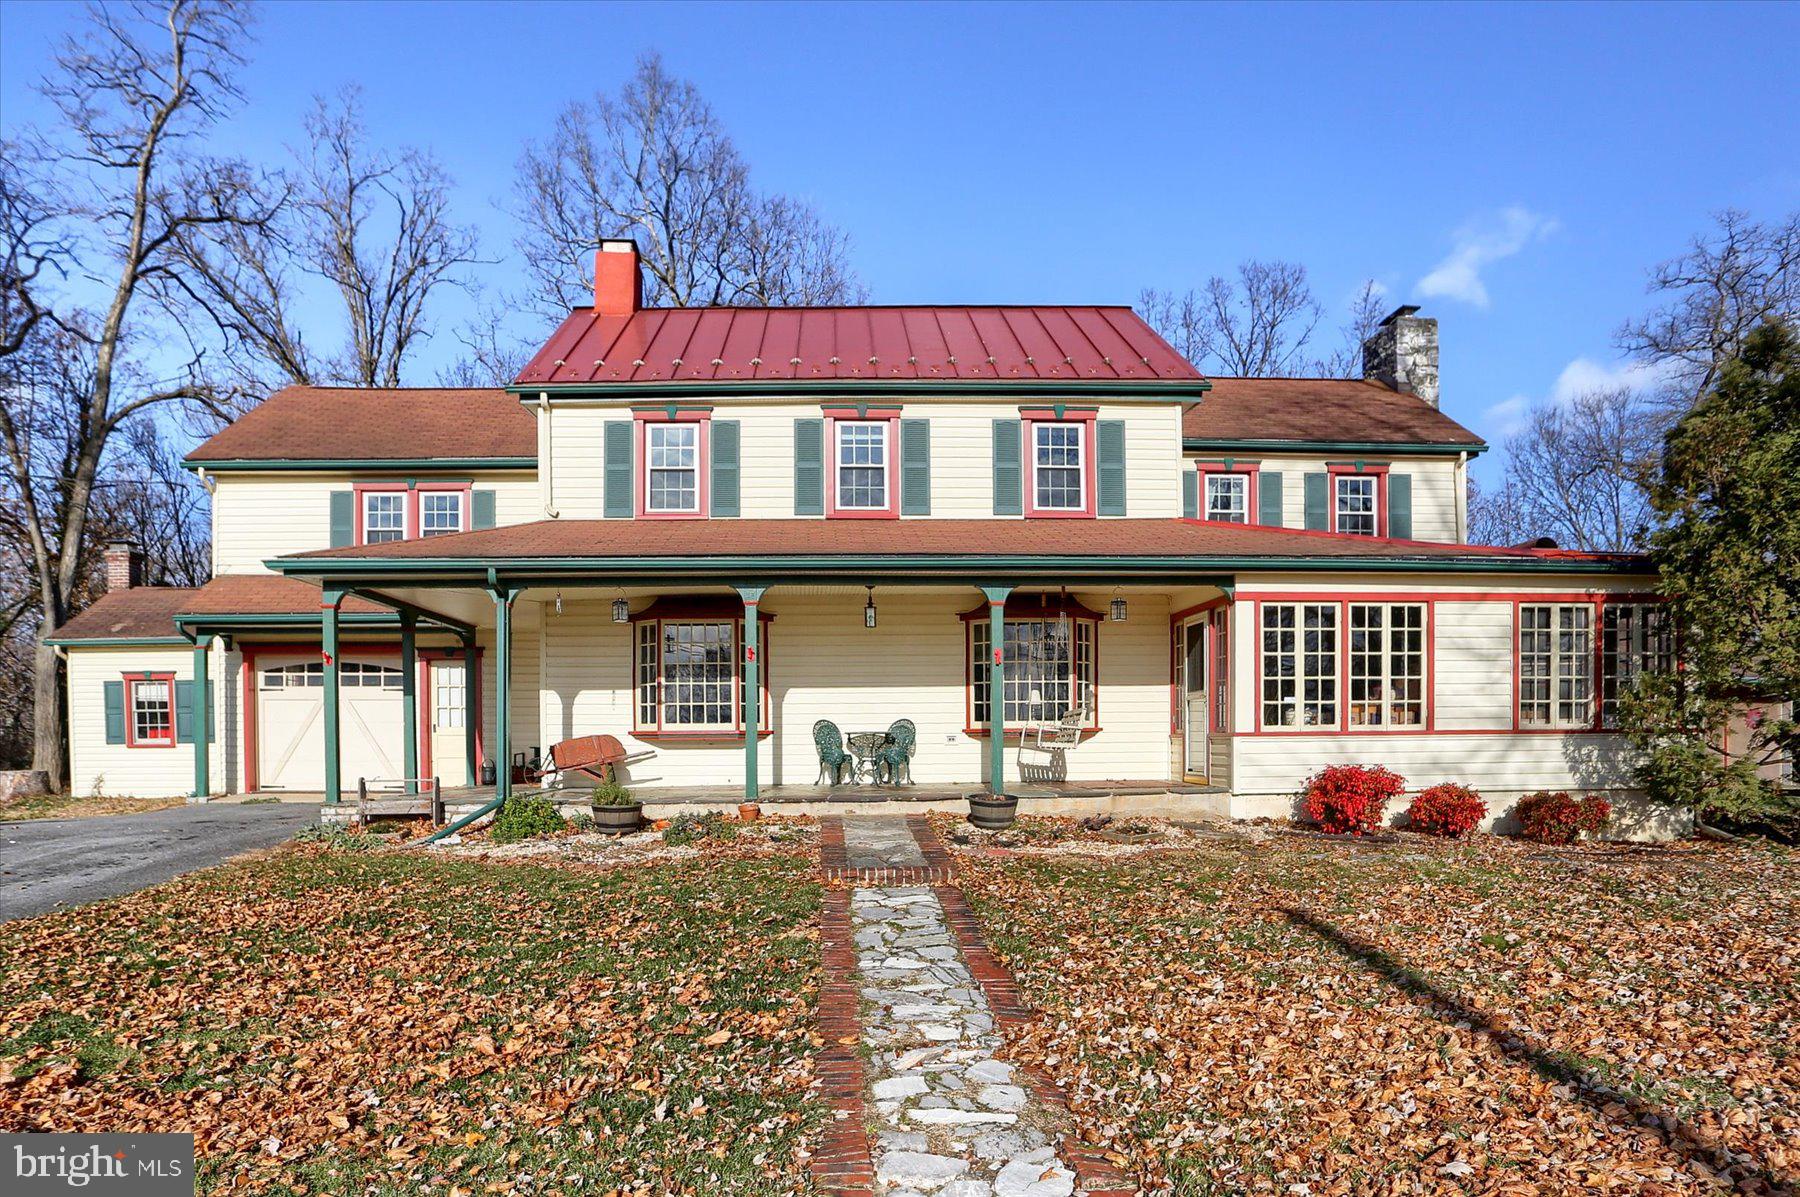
(673, 482)
(152, 713)
(1058, 466)
(440, 512)
(1634, 639)
(1280, 692)
(862, 466)
(1049, 667)
(1227, 498)
(1356, 505)
(1535, 666)
(698, 671)
(450, 696)
(384, 516)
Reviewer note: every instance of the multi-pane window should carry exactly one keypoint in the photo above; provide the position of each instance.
(450, 696)
(690, 676)
(295, 676)
(384, 516)
(351, 674)
(1228, 498)
(672, 479)
(440, 512)
(1635, 638)
(1047, 667)
(152, 712)
(862, 466)
(1300, 664)
(1058, 466)
(1221, 629)
(1353, 498)
(1556, 665)
(1386, 665)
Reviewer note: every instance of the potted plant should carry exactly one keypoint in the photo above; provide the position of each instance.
(993, 812)
(616, 812)
(749, 812)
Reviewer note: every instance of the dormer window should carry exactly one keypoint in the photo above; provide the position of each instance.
(441, 512)
(383, 516)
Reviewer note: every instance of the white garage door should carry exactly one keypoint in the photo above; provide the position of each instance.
(290, 698)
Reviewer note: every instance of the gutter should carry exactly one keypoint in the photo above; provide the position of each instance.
(1210, 444)
(357, 464)
(789, 388)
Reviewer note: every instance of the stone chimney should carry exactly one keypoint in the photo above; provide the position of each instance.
(618, 284)
(1403, 354)
(124, 565)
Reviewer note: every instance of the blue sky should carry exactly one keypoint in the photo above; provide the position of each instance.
(1514, 169)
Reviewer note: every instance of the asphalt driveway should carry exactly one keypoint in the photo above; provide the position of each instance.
(50, 863)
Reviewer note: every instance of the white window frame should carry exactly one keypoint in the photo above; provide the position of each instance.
(134, 706)
(881, 466)
(655, 693)
(652, 429)
(1643, 631)
(1338, 512)
(459, 497)
(1229, 513)
(1080, 466)
(387, 535)
(1387, 686)
(450, 695)
(1299, 666)
(1554, 643)
(1037, 687)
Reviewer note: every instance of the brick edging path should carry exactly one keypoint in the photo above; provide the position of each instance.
(1095, 1175)
(842, 1167)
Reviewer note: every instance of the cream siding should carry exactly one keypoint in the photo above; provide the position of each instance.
(961, 455)
(96, 767)
(1434, 488)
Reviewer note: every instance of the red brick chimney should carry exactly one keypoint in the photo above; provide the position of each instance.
(618, 285)
(124, 565)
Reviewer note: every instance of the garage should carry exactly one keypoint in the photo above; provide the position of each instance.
(290, 714)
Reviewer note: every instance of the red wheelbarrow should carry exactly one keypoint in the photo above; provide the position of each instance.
(590, 756)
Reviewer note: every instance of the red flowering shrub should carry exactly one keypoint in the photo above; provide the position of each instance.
(1447, 809)
(1350, 797)
(1556, 818)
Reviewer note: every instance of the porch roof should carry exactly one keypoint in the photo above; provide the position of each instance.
(618, 547)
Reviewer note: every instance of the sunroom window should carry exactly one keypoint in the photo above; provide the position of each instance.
(1048, 667)
(1635, 639)
(1299, 665)
(1556, 665)
(1387, 665)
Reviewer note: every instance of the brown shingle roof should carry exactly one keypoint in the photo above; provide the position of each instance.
(372, 424)
(135, 614)
(976, 537)
(1318, 409)
(264, 594)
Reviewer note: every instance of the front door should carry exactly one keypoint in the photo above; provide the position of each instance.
(450, 723)
(1193, 701)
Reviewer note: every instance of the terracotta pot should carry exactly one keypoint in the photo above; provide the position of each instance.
(749, 812)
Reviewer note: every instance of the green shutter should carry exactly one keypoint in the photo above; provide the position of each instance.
(809, 467)
(1316, 487)
(481, 509)
(725, 439)
(1399, 497)
(1190, 492)
(618, 483)
(1008, 498)
(915, 467)
(343, 518)
(184, 712)
(115, 712)
(1268, 498)
(1109, 436)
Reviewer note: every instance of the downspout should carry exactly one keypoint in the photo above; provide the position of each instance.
(546, 487)
(212, 515)
(1462, 497)
(452, 828)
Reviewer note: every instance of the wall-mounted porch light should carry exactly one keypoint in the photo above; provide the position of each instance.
(621, 610)
(869, 608)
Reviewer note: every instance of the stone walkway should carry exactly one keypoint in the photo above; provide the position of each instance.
(949, 1118)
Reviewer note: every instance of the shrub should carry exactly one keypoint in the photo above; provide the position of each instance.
(688, 829)
(1350, 798)
(611, 793)
(1556, 818)
(521, 818)
(1447, 809)
(334, 836)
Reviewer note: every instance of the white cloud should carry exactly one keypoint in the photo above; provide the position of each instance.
(1579, 377)
(1481, 243)
(1507, 417)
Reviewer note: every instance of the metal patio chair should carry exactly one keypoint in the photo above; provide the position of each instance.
(833, 760)
(894, 762)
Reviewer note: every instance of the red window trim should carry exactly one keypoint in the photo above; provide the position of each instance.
(703, 610)
(1343, 603)
(1021, 609)
(1031, 419)
(850, 415)
(1598, 602)
(642, 419)
(132, 681)
(410, 518)
(1250, 469)
(1343, 469)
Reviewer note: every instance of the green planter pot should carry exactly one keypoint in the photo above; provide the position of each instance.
(992, 814)
(618, 820)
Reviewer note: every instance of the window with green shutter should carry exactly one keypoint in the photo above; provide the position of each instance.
(1268, 498)
(809, 466)
(618, 485)
(1109, 439)
(1399, 499)
(1008, 480)
(343, 518)
(915, 467)
(725, 472)
(1318, 487)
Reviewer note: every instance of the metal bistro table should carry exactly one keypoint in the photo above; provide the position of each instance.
(863, 746)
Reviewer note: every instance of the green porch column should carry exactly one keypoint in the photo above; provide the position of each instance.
(996, 597)
(503, 601)
(202, 717)
(409, 698)
(752, 595)
(329, 600)
(471, 712)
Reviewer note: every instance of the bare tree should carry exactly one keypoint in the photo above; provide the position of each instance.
(1364, 316)
(656, 164)
(1260, 324)
(32, 249)
(1732, 279)
(130, 89)
(1579, 473)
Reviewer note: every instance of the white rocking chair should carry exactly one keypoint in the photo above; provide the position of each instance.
(1051, 743)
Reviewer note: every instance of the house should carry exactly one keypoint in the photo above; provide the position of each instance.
(705, 530)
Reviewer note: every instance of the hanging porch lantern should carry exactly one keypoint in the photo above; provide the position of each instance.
(1118, 608)
(621, 610)
(869, 609)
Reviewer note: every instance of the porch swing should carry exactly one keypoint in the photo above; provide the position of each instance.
(1050, 742)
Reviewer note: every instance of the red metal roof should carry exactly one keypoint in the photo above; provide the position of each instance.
(1040, 344)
